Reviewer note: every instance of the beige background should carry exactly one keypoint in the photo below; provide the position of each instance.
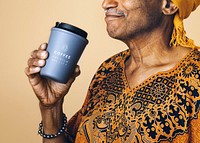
(24, 25)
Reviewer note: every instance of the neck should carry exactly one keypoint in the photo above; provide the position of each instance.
(152, 48)
(151, 53)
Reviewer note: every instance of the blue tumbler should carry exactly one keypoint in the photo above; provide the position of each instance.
(65, 46)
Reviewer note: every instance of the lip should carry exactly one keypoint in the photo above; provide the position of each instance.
(113, 14)
(112, 17)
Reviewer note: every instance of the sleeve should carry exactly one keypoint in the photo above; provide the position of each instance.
(72, 126)
(195, 130)
(74, 122)
(194, 127)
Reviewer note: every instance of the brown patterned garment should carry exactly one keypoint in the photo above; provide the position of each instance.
(163, 108)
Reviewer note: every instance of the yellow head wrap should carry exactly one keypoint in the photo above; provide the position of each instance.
(185, 7)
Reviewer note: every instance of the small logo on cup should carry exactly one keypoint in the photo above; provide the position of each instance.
(65, 48)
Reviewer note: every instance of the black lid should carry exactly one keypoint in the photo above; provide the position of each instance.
(71, 28)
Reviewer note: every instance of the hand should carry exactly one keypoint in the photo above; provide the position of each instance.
(47, 91)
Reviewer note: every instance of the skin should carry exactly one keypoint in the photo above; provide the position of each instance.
(144, 26)
(50, 94)
(135, 17)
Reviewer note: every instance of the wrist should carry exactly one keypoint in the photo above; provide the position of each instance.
(55, 106)
(52, 117)
(61, 131)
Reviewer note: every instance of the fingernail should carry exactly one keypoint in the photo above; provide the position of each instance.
(37, 69)
(43, 46)
(44, 54)
(41, 62)
(77, 69)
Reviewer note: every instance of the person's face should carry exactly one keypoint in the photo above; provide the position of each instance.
(128, 18)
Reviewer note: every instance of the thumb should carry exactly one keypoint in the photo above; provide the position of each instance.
(76, 73)
(34, 79)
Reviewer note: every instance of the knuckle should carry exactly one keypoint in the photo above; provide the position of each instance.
(41, 62)
(29, 61)
(41, 54)
(43, 46)
(26, 71)
(44, 54)
(33, 69)
(33, 53)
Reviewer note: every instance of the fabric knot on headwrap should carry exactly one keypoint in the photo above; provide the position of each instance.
(185, 7)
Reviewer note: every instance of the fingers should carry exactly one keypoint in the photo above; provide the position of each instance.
(32, 70)
(41, 53)
(37, 60)
(77, 71)
(43, 46)
(34, 79)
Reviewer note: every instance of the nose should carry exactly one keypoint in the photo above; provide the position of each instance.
(107, 4)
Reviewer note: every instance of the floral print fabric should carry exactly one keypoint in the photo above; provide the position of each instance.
(163, 108)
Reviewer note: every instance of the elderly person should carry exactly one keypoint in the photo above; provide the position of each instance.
(148, 93)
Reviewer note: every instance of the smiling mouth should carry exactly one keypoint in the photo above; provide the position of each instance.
(112, 18)
(113, 14)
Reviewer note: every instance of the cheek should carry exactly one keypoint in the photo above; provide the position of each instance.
(135, 9)
(137, 17)
(143, 12)
(131, 5)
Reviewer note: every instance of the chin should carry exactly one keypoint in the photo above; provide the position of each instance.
(113, 33)
(120, 32)
(118, 36)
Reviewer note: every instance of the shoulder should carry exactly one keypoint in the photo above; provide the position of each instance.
(107, 69)
(195, 56)
(188, 83)
(112, 65)
(115, 61)
(189, 69)
(190, 65)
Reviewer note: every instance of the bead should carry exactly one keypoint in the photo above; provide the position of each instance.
(50, 136)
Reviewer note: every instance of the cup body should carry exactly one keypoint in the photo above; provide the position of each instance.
(65, 49)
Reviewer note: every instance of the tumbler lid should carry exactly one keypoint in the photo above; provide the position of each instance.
(71, 28)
